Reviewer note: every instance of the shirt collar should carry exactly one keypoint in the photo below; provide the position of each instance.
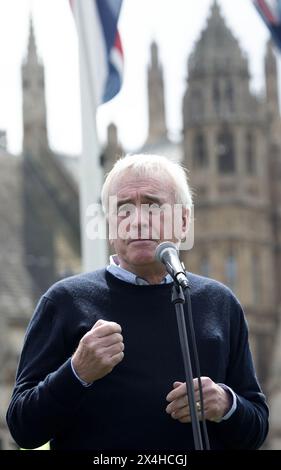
(121, 273)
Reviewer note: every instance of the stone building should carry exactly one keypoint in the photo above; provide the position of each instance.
(231, 144)
(227, 134)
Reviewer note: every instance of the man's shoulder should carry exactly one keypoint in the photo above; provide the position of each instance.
(201, 284)
(209, 291)
(77, 283)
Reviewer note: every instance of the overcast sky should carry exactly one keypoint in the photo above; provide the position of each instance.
(174, 24)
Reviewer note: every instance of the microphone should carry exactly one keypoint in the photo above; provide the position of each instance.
(167, 253)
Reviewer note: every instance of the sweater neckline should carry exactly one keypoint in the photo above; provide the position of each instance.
(140, 288)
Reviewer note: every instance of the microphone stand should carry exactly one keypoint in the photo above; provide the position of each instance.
(178, 300)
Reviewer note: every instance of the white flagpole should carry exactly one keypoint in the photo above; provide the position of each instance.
(94, 251)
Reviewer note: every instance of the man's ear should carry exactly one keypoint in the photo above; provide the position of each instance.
(185, 221)
(110, 240)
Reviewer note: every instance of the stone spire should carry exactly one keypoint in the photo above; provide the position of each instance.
(218, 75)
(32, 57)
(113, 149)
(271, 81)
(157, 125)
(215, 9)
(34, 107)
(215, 47)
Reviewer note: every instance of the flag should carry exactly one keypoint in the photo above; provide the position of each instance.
(101, 63)
(101, 18)
(270, 11)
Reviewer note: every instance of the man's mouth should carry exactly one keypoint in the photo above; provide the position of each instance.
(139, 240)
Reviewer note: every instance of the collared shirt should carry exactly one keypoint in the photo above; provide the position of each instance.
(121, 273)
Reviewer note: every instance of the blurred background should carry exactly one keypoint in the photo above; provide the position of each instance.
(201, 85)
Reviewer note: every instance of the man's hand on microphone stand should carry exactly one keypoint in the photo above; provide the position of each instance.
(217, 401)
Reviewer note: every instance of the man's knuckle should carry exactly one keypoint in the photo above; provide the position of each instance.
(119, 347)
(99, 354)
(110, 328)
(112, 325)
(116, 338)
(105, 362)
(87, 336)
(86, 341)
(120, 356)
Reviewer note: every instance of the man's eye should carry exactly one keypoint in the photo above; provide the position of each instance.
(154, 208)
(124, 210)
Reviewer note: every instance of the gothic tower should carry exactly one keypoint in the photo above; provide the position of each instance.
(156, 101)
(157, 139)
(34, 107)
(38, 239)
(112, 150)
(51, 230)
(274, 154)
(226, 148)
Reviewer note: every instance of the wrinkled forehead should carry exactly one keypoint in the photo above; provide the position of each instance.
(132, 180)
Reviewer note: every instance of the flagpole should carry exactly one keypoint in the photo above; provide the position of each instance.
(94, 251)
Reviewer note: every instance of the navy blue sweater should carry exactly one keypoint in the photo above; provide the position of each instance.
(126, 408)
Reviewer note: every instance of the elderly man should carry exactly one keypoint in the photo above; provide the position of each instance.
(101, 367)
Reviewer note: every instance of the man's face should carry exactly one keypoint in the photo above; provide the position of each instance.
(144, 216)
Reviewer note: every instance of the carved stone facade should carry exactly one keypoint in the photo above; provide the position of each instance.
(226, 147)
(231, 144)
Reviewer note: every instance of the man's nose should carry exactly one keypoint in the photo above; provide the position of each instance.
(140, 217)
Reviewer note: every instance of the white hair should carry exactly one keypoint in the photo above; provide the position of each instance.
(149, 166)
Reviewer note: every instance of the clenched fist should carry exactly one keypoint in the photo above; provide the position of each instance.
(99, 351)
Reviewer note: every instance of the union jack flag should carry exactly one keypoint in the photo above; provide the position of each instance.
(270, 11)
(97, 22)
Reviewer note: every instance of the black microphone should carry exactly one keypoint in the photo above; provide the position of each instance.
(167, 253)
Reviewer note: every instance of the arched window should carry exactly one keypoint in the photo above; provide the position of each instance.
(231, 271)
(216, 96)
(205, 266)
(250, 154)
(225, 152)
(229, 95)
(200, 158)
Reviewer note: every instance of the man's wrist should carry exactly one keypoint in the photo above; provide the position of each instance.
(233, 402)
(83, 382)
